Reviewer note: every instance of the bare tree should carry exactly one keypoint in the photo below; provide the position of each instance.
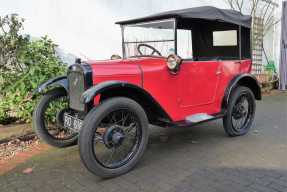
(263, 9)
(264, 19)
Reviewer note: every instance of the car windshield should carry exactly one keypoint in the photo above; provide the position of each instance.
(155, 38)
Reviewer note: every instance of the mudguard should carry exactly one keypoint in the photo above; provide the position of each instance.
(89, 94)
(245, 79)
(60, 81)
(92, 92)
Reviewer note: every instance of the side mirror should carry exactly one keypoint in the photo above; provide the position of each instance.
(173, 63)
(114, 57)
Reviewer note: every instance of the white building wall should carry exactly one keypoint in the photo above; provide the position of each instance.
(87, 27)
(277, 35)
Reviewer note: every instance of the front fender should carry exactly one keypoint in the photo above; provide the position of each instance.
(89, 94)
(142, 96)
(60, 81)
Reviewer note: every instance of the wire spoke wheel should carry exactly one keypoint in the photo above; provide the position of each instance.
(240, 112)
(117, 138)
(48, 119)
(53, 119)
(114, 137)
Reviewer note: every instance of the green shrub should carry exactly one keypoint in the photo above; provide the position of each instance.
(38, 63)
(12, 43)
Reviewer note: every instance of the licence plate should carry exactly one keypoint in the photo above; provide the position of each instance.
(72, 123)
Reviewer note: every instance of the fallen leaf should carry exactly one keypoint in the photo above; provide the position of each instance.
(27, 170)
(255, 131)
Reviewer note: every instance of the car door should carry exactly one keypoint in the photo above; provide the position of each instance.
(199, 81)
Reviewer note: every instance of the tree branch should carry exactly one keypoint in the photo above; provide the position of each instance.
(239, 5)
(230, 2)
(266, 10)
(270, 25)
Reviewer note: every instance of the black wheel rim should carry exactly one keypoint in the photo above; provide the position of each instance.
(53, 119)
(242, 112)
(117, 138)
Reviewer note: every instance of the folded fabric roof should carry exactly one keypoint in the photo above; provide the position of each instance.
(205, 12)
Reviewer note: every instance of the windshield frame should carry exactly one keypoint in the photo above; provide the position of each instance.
(174, 20)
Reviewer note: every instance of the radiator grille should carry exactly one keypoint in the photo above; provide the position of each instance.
(80, 79)
(76, 89)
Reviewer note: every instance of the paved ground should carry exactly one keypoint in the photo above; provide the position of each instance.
(199, 158)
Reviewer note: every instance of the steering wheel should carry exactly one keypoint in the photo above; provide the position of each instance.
(154, 50)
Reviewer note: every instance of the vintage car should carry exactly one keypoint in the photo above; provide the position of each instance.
(178, 68)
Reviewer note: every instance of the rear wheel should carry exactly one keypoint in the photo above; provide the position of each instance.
(240, 112)
(48, 119)
(114, 137)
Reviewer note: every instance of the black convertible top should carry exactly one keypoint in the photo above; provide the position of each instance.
(205, 12)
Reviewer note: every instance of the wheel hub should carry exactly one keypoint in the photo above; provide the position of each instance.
(239, 111)
(114, 136)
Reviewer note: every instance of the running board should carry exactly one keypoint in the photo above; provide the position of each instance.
(199, 117)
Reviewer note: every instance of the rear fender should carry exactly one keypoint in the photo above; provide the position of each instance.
(246, 80)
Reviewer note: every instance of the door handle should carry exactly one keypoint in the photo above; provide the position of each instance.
(237, 62)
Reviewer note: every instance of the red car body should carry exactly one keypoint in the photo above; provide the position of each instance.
(201, 83)
(199, 87)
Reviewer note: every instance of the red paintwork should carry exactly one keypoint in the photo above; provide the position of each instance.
(198, 87)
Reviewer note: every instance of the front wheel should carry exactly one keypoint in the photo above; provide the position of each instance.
(114, 137)
(48, 119)
(240, 112)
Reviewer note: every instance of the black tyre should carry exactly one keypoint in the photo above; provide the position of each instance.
(48, 119)
(240, 112)
(114, 137)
